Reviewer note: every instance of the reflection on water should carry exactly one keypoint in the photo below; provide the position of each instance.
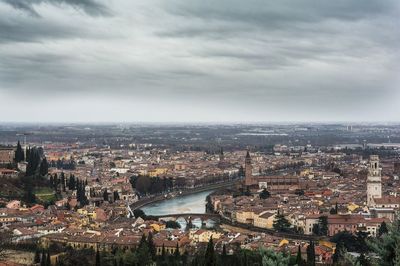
(194, 203)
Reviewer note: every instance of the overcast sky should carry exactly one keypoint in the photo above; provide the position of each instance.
(205, 60)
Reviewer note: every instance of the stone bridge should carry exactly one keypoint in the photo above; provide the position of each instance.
(190, 217)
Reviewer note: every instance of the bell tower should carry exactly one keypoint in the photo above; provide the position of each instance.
(248, 171)
(374, 180)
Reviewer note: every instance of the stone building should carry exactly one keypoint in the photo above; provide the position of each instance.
(374, 180)
(271, 183)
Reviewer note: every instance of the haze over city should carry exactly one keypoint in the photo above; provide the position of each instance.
(199, 132)
(199, 61)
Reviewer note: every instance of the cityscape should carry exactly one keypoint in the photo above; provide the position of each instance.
(152, 194)
(199, 133)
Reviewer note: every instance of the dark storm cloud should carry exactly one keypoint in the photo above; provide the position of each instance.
(89, 6)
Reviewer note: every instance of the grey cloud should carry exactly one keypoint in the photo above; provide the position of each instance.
(279, 14)
(288, 58)
(89, 6)
(33, 30)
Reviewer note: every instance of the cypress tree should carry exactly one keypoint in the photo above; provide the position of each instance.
(311, 254)
(43, 259)
(33, 162)
(48, 259)
(28, 153)
(44, 167)
(71, 182)
(163, 252)
(152, 247)
(63, 181)
(51, 180)
(382, 229)
(105, 195)
(210, 258)
(98, 263)
(19, 153)
(55, 182)
(299, 260)
(116, 195)
(176, 252)
(143, 241)
(37, 256)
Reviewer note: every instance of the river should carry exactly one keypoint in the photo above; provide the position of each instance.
(193, 203)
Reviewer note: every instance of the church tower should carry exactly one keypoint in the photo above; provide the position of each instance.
(248, 171)
(374, 181)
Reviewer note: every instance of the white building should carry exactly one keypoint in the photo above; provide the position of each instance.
(374, 181)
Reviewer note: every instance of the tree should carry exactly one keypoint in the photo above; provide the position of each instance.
(116, 195)
(37, 257)
(130, 258)
(139, 213)
(339, 254)
(209, 257)
(44, 167)
(77, 257)
(43, 259)
(152, 247)
(352, 243)
(299, 192)
(98, 263)
(105, 195)
(272, 258)
(48, 259)
(264, 194)
(33, 162)
(299, 259)
(81, 193)
(387, 247)
(143, 252)
(172, 224)
(176, 252)
(311, 254)
(71, 182)
(334, 210)
(364, 261)
(163, 252)
(143, 184)
(62, 180)
(383, 229)
(281, 224)
(321, 228)
(29, 196)
(19, 153)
